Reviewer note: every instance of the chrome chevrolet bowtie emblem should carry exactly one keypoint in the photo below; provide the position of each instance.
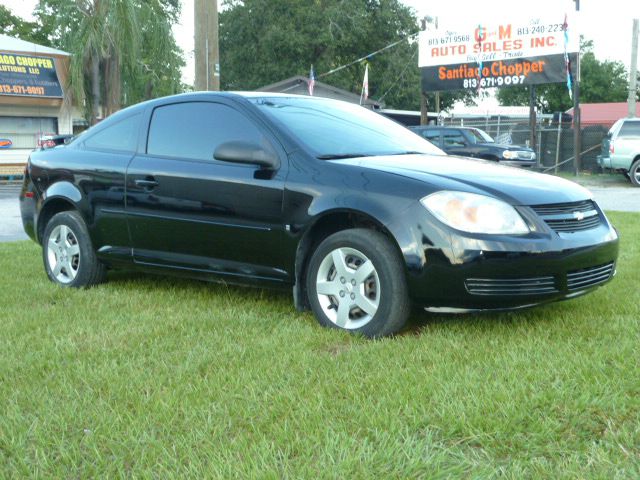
(578, 216)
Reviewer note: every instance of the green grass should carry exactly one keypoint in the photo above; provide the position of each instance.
(148, 377)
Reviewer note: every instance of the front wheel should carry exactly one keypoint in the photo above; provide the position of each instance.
(69, 257)
(634, 173)
(356, 282)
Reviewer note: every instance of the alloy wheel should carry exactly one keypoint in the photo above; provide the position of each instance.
(63, 254)
(348, 288)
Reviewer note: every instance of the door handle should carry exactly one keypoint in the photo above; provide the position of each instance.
(147, 183)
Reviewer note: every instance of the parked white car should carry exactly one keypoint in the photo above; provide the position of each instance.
(624, 148)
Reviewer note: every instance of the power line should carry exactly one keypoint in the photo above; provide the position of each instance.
(342, 67)
(400, 77)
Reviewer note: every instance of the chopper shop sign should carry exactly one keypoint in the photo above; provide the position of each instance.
(28, 76)
(525, 52)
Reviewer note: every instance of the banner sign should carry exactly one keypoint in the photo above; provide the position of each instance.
(27, 76)
(527, 52)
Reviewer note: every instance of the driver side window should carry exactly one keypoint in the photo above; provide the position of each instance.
(453, 139)
(193, 130)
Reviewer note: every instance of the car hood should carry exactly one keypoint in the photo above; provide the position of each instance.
(502, 146)
(514, 185)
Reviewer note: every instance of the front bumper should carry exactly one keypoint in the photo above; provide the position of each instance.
(450, 269)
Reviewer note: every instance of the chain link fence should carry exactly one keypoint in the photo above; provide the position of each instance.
(554, 140)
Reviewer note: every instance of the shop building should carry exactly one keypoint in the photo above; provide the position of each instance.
(34, 101)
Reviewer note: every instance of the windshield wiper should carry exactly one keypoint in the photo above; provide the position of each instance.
(338, 156)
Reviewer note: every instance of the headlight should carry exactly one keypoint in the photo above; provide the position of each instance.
(475, 213)
(510, 154)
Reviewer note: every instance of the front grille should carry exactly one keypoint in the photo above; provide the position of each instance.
(569, 217)
(588, 277)
(511, 286)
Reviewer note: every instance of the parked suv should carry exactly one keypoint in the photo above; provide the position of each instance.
(476, 143)
(624, 149)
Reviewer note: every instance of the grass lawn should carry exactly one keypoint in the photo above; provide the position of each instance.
(153, 377)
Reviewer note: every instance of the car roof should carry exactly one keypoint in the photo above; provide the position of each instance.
(441, 127)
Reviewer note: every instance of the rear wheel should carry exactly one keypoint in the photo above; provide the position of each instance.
(69, 257)
(634, 173)
(356, 282)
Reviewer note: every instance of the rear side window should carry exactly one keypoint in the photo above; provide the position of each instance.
(122, 136)
(432, 135)
(193, 130)
(630, 129)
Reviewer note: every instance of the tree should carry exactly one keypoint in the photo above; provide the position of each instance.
(123, 51)
(600, 81)
(17, 27)
(262, 42)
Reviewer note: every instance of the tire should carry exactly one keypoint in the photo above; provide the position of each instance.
(67, 252)
(634, 173)
(369, 282)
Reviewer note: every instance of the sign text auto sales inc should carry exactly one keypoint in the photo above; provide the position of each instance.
(531, 51)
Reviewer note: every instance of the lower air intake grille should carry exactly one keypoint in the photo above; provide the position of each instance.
(589, 277)
(511, 286)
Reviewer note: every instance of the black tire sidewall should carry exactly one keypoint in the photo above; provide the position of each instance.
(633, 171)
(90, 269)
(394, 307)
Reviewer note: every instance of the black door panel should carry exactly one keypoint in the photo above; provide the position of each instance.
(205, 214)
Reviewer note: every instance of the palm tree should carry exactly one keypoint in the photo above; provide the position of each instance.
(113, 43)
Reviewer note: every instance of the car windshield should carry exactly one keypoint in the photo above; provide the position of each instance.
(334, 130)
(479, 136)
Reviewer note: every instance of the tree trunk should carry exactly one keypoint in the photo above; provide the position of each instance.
(95, 88)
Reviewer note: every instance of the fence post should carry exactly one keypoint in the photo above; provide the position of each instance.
(555, 170)
(539, 145)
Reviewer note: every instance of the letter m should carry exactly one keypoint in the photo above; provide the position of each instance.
(504, 32)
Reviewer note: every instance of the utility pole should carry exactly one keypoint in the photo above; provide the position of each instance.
(532, 117)
(206, 45)
(577, 161)
(633, 73)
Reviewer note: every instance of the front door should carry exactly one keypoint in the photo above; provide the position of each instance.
(187, 210)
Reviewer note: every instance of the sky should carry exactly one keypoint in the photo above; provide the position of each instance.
(607, 22)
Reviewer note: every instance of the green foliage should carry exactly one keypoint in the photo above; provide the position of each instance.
(150, 377)
(131, 42)
(17, 27)
(262, 42)
(600, 81)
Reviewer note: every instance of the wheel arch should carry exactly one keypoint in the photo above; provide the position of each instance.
(59, 197)
(324, 225)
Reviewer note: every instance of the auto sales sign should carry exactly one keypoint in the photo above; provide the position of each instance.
(535, 50)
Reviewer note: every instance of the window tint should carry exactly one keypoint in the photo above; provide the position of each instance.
(630, 129)
(453, 139)
(193, 130)
(330, 128)
(121, 136)
(432, 135)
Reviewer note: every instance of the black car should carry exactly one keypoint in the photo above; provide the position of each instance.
(357, 215)
(476, 143)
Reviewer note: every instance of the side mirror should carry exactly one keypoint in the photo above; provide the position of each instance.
(246, 152)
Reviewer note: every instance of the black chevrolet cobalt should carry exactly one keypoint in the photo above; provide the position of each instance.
(358, 216)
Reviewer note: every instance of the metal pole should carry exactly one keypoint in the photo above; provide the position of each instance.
(555, 170)
(577, 161)
(532, 117)
(633, 71)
